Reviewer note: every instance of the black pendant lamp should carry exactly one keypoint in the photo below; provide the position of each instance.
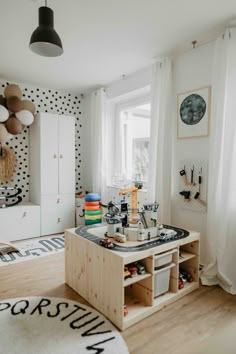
(45, 40)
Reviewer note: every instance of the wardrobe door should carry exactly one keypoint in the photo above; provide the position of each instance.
(49, 154)
(67, 210)
(66, 155)
(51, 220)
(57, 213)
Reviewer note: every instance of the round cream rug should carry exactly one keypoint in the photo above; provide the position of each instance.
(48, 325)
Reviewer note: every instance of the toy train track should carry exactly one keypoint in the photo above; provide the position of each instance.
(83, 231)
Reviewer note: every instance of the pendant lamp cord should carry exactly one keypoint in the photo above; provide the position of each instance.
(46, 3)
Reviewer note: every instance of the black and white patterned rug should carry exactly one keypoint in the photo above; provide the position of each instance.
(32, 249)
(36, 325)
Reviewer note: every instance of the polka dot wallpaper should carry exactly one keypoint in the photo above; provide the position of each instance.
(51, 101)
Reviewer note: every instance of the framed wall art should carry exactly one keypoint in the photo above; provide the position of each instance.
(193, 113)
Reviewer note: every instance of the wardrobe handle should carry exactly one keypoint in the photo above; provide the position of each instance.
(24, 214)
(58, 200)
(58, 220)
(54, 156)
(61, 157)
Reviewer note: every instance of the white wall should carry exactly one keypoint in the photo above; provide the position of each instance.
(130, 83)
(86, 151)
(192, 70)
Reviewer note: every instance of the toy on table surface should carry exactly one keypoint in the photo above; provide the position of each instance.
(146, 228)
(167, 234)
(93, 211)
(134, 201)
(105, 242)
(112, 217)
(119, 237)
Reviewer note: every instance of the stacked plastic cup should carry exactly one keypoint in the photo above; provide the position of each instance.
(93, 211)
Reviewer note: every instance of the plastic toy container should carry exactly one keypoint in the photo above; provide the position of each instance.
(163, 259)
(162, 280)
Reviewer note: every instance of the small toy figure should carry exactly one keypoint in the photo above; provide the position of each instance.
(126, 273)
(119, 237)
(125, 311)
(141, 269)
(133, 271)
(185, 276)
(104, 242)
(180, 283)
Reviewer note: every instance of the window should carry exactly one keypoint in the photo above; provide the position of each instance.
(133, 139)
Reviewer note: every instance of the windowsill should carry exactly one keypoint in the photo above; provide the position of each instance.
(144, 190)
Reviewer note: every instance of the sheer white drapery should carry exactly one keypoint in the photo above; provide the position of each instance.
(98, 141)
(159, 171)
(221, 219)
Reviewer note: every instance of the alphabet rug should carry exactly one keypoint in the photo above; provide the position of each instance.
(49, 325)
(32, 249)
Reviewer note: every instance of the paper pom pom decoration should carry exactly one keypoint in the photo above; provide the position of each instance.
(14, 126)
(3, 101)
(25, 117)
(12, 90)
(12, 103)
(28, 106)
(4, 114)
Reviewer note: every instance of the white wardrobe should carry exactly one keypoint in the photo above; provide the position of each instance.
(52, 171)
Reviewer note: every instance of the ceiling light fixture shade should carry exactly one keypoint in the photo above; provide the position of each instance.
(45, 40)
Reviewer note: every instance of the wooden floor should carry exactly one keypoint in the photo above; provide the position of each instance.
(177, 328)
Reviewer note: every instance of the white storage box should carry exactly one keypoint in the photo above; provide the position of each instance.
(162, 280)
(79, 204)
(163, 258)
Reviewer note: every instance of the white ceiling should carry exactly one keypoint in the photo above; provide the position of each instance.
(102, 39)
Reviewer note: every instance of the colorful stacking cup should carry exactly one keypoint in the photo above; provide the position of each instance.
(93, 211)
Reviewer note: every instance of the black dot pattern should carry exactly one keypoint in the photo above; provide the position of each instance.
(51, 101)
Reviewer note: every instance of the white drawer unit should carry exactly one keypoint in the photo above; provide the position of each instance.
(57, 213)
(162, 280)
(19, 222)
(163, 259)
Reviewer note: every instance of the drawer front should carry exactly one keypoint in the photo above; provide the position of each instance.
(163, 258)
(19, 222)
(57, 213)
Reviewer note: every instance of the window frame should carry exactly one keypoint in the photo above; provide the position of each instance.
(127, 104)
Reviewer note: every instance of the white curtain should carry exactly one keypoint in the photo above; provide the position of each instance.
(98, 141)
(221, 223)
(159, 173)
